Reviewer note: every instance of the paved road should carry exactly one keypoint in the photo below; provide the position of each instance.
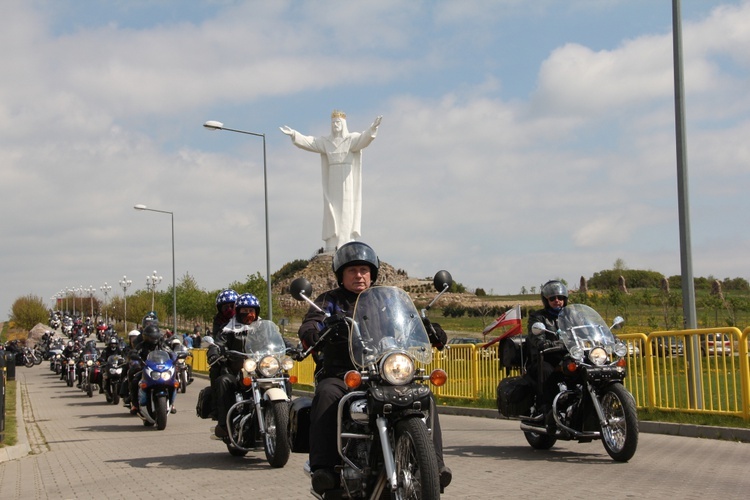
(84, 448)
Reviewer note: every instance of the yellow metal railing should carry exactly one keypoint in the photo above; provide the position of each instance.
(658, 375)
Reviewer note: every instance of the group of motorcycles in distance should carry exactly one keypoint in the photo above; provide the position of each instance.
(78, 359)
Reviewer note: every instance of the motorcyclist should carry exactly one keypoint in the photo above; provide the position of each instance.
(126, 353)
(231, 337)
(547, 373)
(176, 345)
(356, 266)
(149, 340)
(69, 351)
(225, 301)
(89, 349)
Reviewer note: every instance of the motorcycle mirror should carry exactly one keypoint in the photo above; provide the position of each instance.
(442, 280)
(617, 323)
(538, 328)
(300, 288)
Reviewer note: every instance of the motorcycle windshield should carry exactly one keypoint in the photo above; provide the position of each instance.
(581, 326)
(115, 359)
(159, 357)
(262, 337)
(385, 320)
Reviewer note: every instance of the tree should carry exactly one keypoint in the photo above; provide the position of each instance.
(28, 311)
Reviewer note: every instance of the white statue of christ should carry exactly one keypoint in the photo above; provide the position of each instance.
(341, 166)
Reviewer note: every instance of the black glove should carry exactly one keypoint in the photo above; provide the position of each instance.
(214, 352)
(309, 338)
(337, 324)
(436, 334)
(546, 344)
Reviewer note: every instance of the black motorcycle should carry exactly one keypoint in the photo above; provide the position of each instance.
(592, 403)
(113, 372)
(383, 422)
(261, 395)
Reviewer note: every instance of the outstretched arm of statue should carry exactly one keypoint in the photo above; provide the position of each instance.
(287, 130)
(376, 123)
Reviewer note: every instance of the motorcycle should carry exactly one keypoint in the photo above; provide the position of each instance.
(112, 376)
(56, 360)
(88, 366)
(28, 358)
(182, 370)
(157, 389)
(69, 368)
(262, 394)
(384, 421)
(592, 403)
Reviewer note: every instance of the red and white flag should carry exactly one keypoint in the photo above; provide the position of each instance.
(511, 318)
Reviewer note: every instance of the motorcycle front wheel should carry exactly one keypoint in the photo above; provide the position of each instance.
(416, 461)
(183, 381)
(620, 437)
(276, 443)
(160, 408)
(29, 362)
(69, 380)
(89, 389)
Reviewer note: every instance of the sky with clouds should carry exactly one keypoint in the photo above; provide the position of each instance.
(520, 141)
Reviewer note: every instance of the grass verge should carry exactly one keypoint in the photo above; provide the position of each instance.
(10, 436)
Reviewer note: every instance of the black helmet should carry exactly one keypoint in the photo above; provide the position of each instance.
(551, 289)
(152, 334)
(114, 341)
(355, 252)
(150, 319)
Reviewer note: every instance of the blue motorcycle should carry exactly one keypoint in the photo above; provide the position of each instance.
(157, 389)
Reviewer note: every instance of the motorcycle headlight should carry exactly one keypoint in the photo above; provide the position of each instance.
(287, 363)
(598, 356)
(89, 362)
(268, 366)
(397, 368)
(576, 353)
(154, 375)
(166, 375)
(621, 349)
(115, 371)
(249, 365)
(181, 361)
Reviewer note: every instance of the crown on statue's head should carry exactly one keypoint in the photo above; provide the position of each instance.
(338, 114)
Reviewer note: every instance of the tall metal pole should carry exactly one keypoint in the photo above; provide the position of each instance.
(686, 259)
(214, 125)
(174, 287)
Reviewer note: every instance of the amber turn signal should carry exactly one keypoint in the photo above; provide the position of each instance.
(353, 379)
(438, 377)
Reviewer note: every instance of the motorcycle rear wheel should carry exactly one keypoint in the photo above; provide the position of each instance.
(620, 439)
(416, 461)
(276, 443)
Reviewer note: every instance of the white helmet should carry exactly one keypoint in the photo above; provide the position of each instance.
(133, 333)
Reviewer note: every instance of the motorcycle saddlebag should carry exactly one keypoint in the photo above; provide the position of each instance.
(514, 397)
(299, 424)
(204, 407)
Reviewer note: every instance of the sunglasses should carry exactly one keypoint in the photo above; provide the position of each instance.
(561, 298)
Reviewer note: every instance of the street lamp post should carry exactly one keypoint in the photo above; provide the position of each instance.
(174, 288)
(105, 290)
(214, 125)
(70, 291)
(125, 284)
(151, 282)
(91, 291)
